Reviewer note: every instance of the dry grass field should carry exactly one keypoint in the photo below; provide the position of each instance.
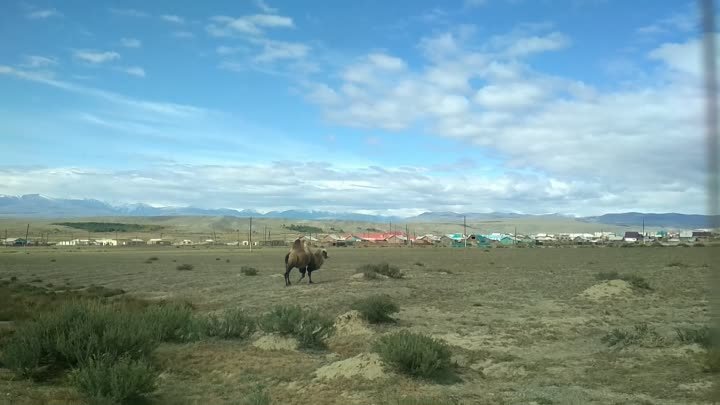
(525, 326)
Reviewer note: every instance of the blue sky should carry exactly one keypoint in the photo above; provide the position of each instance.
(573, 106)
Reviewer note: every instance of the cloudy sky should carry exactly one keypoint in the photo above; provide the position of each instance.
(392, 107)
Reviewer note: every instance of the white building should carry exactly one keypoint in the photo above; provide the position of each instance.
(106, 242)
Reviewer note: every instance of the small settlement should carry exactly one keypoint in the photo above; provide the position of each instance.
(397, 238)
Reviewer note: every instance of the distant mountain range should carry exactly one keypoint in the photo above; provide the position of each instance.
(38, 206)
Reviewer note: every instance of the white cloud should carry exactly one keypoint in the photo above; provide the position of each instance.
(172, 19)
(134, 71)
(535, 44)
(678, 22)
(152, 109)
(96, 57)
(555, 126)
(386, 62)
(276, 50)
(128, 12)
(36, 61)
(682, 57)
(320, 185)
(43, 14)
(183, 34)
(262, 5)
(224, 26)
(511, 95)
(230, 50)
(131, 43)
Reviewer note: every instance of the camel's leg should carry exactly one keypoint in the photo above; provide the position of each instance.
(310, 277)
(302, 276)
(287, 276)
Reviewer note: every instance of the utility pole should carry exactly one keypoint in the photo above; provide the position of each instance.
(643, 234)
(407, 235)
(238, 231)
(250, 238)
(26, 234)
(515, 236)
(465, 230)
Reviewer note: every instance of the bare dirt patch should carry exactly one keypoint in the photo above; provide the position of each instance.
(608, 290)
(365, 365)
(350, 324)
(275, 342)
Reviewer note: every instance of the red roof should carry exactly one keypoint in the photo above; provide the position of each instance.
(379, 236)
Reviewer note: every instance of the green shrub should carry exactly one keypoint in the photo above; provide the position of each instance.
(421, 264)
(25, 350)
(76, 332)
(634, 280)
(414, 354)
(185, 267)
(376, 308)
(610, 275)
(313, 330)
(702, 336)
(248, 271)
(114, 380)
(637, 282)
(712, 360)
(677, 263)
(282, 319)
(307, 326)
(231, 324)
(382, 268)
(640, 335)
(172, 322)
(258, 396)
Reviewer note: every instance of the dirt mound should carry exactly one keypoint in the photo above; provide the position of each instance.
(608, 289)
(351, 323)
(274, 342)
(365, 365)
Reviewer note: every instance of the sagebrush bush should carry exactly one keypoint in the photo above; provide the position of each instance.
(76, 332)
(609, 275)
(637, 282)
(25, 350)
(382, 268)
(703, 336)
(258, 396)
(712, 360)
(249, 271)
(376, 308)
(282, 319)
(634, 280)
(677, 263)
(421, 264)
(308, 326)
(231, 324)
(313, 330)
(185, 267)
(114, 380)
(414, 354)
(172, 322)
(641, 335)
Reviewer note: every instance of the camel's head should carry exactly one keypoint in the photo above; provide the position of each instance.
(324, 253)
